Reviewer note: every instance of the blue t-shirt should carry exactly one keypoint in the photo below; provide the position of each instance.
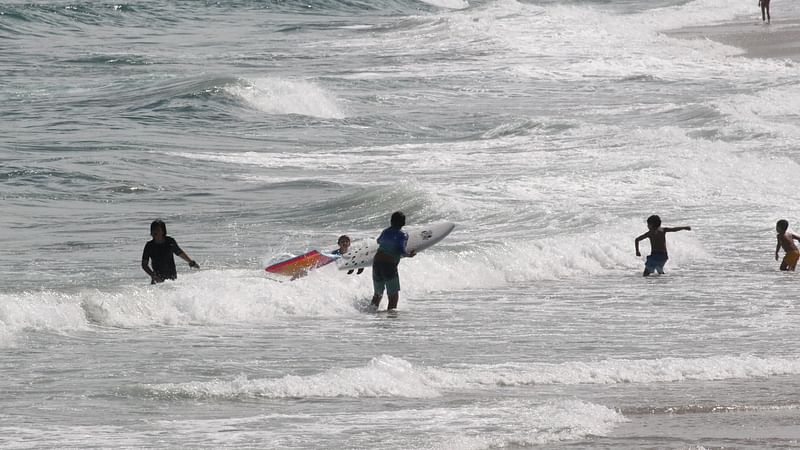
(392, 241)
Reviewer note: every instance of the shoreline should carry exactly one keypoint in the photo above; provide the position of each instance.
(779, 40)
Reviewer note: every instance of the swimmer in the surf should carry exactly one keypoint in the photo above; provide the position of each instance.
(658, 245)
(786, 240)
(158, 253)
(344, 245)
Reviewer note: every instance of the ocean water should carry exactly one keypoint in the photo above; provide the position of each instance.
(547, 131)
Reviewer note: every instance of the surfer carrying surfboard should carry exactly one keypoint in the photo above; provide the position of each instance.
(392, 246)
(658, 244)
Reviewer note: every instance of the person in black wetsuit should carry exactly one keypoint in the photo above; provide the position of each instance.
(392, 246)
(159, 252)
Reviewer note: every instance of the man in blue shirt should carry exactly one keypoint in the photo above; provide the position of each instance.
(392, 246)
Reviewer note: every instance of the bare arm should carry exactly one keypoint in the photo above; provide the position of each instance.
(191, 262)
(636, 242)
(673, 229)
(777, 248)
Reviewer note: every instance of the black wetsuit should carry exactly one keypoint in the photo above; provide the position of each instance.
(160, 255)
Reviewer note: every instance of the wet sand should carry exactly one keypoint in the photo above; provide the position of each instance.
(780, 39)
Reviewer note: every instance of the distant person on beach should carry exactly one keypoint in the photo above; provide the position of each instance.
(158, 253)
(764, 4)
(786, 240)
(392, 246)
(658, 245)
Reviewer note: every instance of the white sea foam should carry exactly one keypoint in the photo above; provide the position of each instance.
(520, 424)
(388, 376)
(210, 297)
(449, 4)
(625, 371)
(461, 427)
(222, 296)
(572, 42)
(285, 96)
(38, 311)
(688, 170)
(233, 296)
(382, 377)
(772, 111)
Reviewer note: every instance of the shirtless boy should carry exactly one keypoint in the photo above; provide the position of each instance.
(658, 245)
(786, 240)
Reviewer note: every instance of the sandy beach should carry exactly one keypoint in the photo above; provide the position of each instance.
(779, 39)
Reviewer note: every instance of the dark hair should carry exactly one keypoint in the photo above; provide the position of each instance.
(158, 223)
(654, 221)
(783, 224)
(342, 237)
(398, 219)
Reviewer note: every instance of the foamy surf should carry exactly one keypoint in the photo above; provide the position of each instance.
(389, 376)
(287, 96)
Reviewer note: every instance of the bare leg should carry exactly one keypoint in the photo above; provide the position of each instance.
(768, 18)
(376, 300)
(393, 298)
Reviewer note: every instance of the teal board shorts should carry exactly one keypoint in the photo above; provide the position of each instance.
(384, 276)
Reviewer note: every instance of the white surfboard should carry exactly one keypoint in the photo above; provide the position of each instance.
(420, 237)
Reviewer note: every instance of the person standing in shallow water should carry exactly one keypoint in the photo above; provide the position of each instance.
(344, 245)
(786, 241)
(658, 245)
(392, 246)
(764, 4)
(158, 253)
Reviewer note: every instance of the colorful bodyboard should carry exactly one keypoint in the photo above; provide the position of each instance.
(300, 265)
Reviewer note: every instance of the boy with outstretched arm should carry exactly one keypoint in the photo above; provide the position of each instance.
(786, 240)
(658, 245)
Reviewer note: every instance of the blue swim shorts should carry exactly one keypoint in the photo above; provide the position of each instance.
(655, 262)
